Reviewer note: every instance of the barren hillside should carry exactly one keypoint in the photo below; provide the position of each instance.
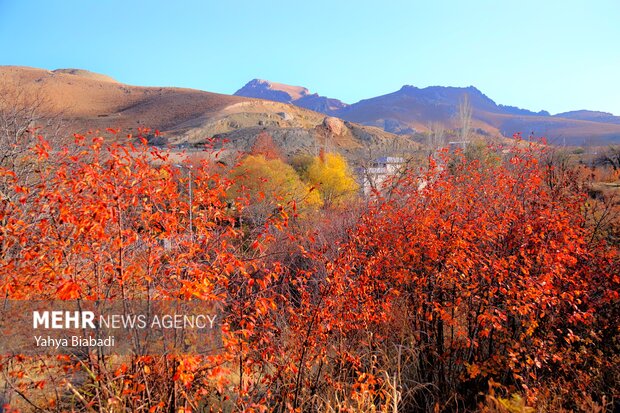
(187, 117)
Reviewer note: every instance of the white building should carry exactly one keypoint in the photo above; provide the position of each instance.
(373, 176)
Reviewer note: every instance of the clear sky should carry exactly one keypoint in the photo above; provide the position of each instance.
(545, 54)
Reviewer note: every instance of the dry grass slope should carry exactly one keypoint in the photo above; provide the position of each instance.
(90, 101)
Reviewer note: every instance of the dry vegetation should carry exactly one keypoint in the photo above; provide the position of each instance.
(475, 283)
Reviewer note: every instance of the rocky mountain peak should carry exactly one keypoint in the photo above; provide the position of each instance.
(297, 95)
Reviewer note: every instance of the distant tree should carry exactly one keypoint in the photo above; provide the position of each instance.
(480, 150)
(610, 157)
(465, 113)
(436, 136)
(265, 146)
(265, 183)
(22, 112)
(331, 174)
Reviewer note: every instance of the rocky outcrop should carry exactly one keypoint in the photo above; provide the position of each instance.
(335, 126)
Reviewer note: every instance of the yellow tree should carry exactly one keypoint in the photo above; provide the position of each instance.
(331, 174)
(265, 183)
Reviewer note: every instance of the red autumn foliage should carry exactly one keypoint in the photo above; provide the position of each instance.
(264, 145)
(484, 273)
(468, 276)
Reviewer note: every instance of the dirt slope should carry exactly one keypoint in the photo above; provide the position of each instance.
(90, 101)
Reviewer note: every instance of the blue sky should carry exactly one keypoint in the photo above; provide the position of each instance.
(553, 55)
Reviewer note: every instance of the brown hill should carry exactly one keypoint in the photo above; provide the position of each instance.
(591, 115)
(557, 130)
(86, 74)
(89, 101)
(92, 98)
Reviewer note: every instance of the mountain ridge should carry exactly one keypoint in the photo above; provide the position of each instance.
(296, 95)
(93, 101)
(411, 110)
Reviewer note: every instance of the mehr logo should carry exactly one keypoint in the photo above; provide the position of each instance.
(63, 319)
(86, 319)
(118, 326)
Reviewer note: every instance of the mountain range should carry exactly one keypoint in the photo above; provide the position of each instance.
(411, 109)
(299, 121)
